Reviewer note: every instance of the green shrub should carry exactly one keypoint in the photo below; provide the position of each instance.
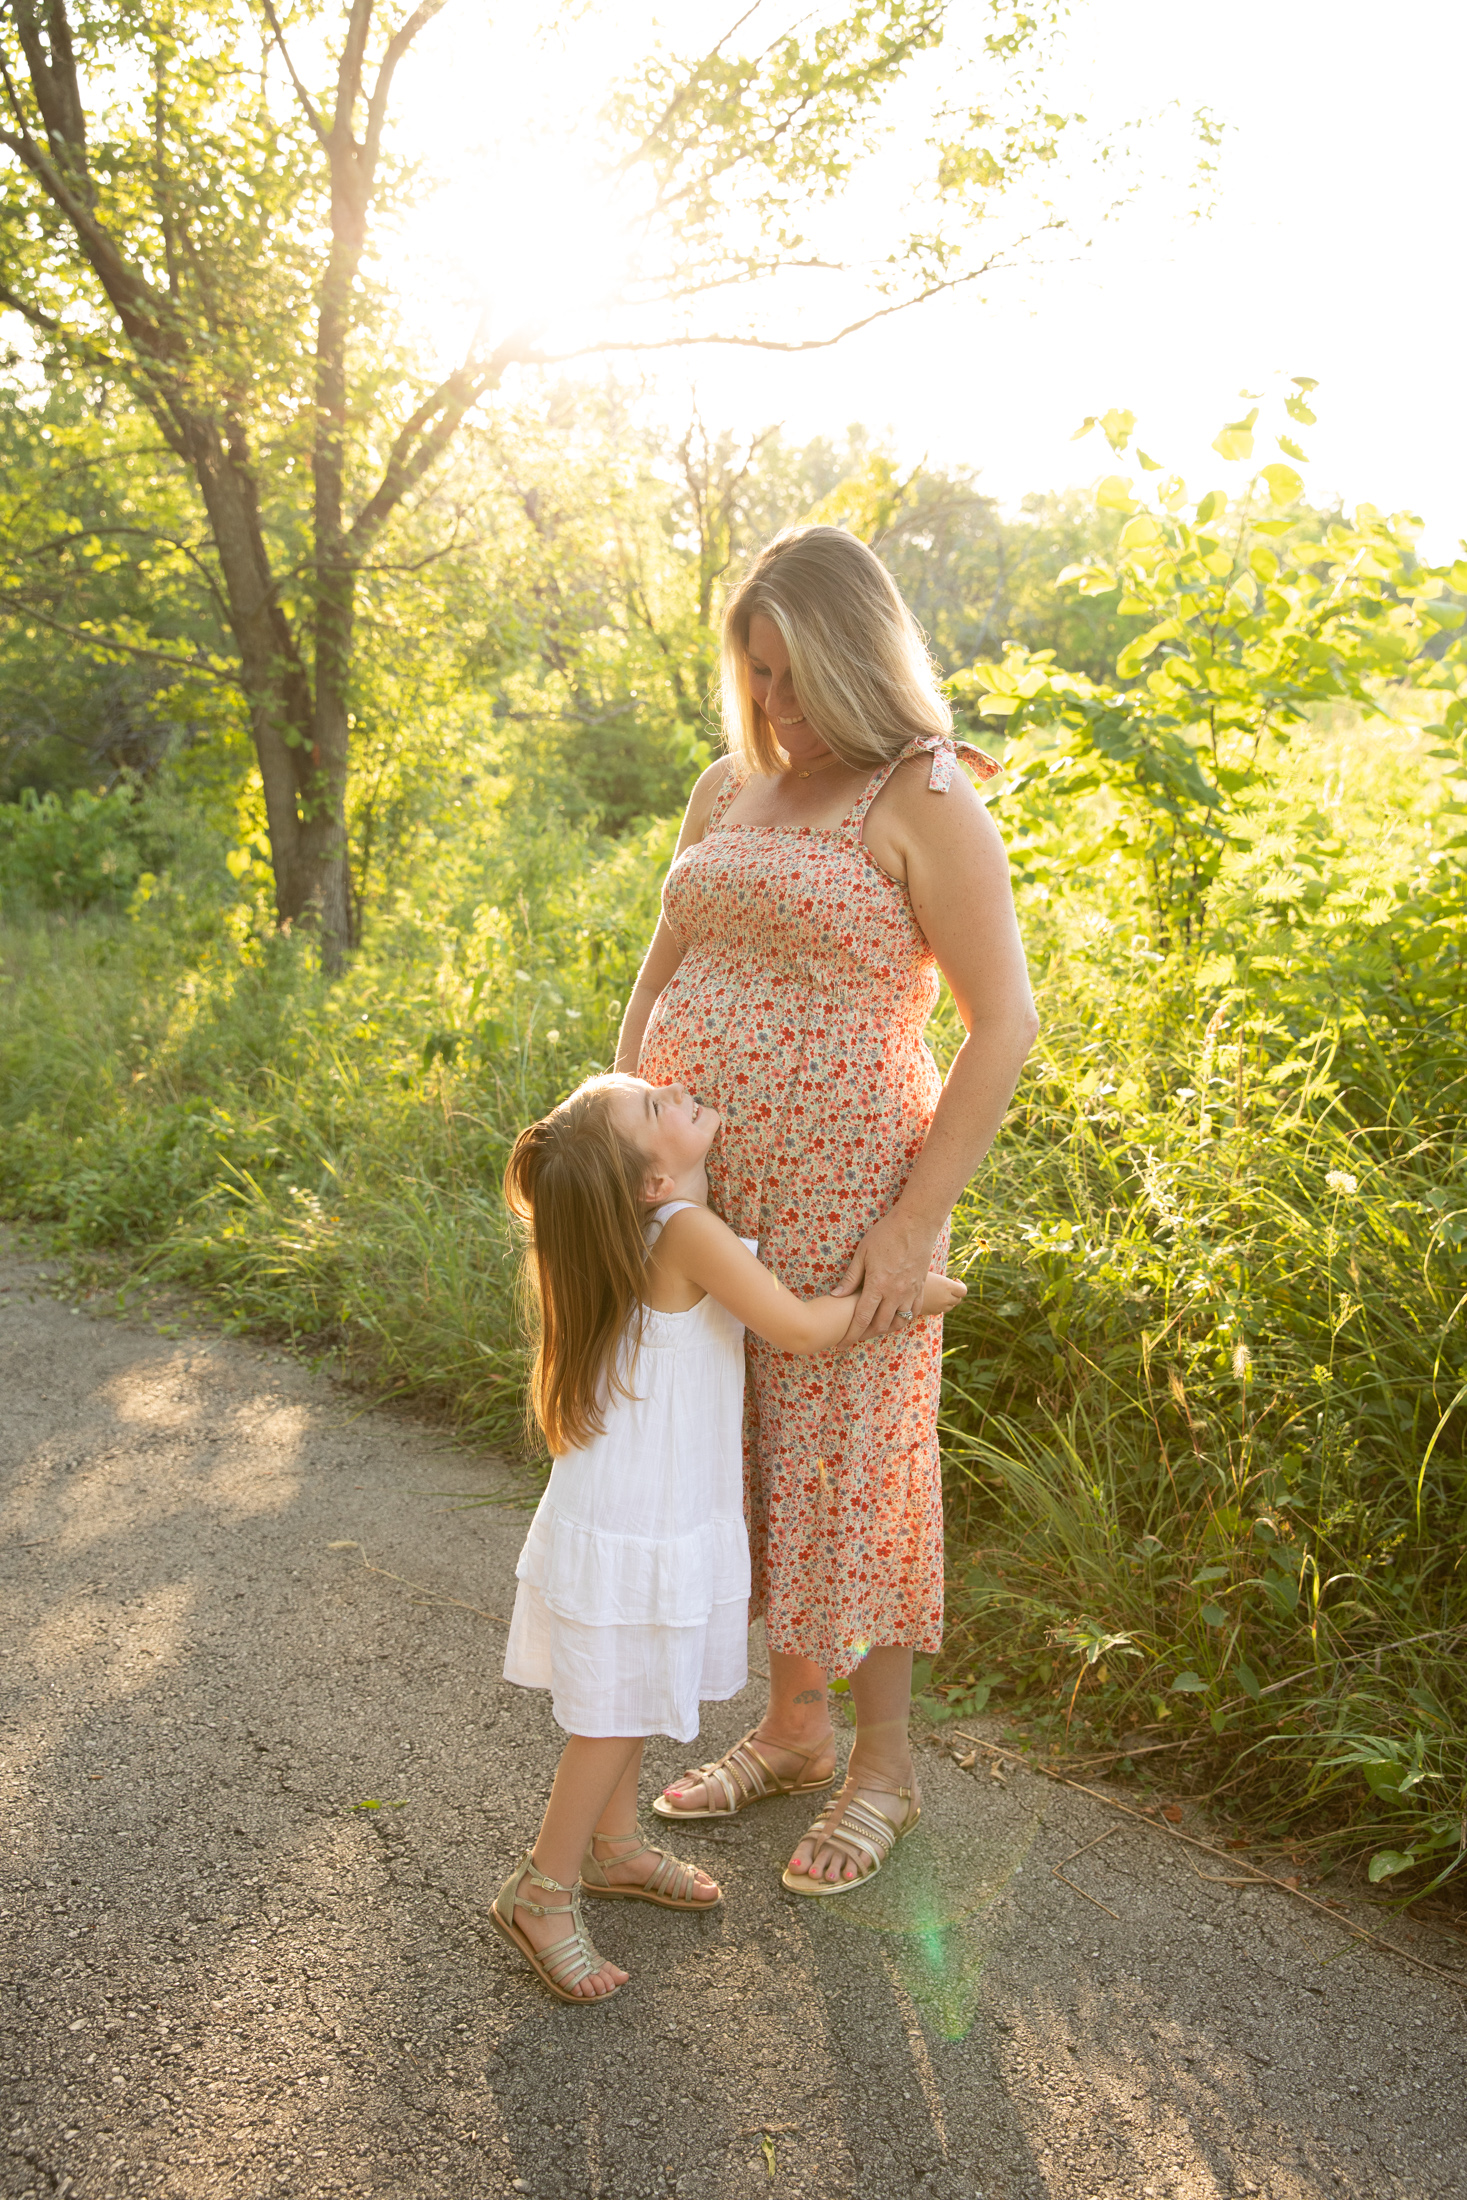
(78, 853)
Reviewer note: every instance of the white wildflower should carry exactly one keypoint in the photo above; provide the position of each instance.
(1340, 1180)
(1242, 1362)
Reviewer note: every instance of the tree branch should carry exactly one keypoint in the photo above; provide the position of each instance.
(110, 643)
(684, 92)
(349, 71)
(306, 102)
(54, 82)
(54, 544)
(128, 290)
(397, 46)
(105, 362)
(762, 343)
(406, 466)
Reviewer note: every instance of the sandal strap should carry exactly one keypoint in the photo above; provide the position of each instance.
(530, 1870)
(744, 1776)
(672, 1877)
(857, 1829)
(669, 1876)
(566, 1961)
(542, 1879)
(570, 1960)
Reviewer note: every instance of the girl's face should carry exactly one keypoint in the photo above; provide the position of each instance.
(667, 1125)
(773, 690)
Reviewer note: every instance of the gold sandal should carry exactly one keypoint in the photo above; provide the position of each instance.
(670, 1884)
(856, 1831)
(565, 1962)
(744, 1777)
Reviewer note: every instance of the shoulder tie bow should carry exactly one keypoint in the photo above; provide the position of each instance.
(945, 753)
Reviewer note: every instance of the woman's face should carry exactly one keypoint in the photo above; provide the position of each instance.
(772, 689)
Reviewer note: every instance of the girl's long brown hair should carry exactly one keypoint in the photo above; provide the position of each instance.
(578, 1184)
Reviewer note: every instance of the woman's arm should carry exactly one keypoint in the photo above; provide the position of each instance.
(958, 878)
(706, 1252)
(666, 951)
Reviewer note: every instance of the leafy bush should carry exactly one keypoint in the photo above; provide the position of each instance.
(324, 1161)
(70, 854)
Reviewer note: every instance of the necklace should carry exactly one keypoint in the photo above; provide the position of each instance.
(820, 767)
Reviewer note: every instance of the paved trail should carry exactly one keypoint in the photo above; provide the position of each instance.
(222, 1975)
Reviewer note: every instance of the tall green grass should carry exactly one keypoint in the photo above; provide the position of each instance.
(1201, 1420)
(1205, 1404)
(323, 1161)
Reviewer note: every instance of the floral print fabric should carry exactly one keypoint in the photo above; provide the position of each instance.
(798, 1011)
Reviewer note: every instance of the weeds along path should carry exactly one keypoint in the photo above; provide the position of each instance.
(261, 1774)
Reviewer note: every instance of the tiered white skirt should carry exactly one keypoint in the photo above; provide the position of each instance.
(632, 1606)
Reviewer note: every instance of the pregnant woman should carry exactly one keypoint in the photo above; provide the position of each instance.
(826, 871)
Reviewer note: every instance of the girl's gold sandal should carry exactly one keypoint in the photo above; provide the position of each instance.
(670, 1884)
(565, 1962)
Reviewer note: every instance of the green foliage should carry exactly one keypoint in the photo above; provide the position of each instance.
(73, 854)
(1250, 619)
(110, 637)
(1204, 1416)
(324, 1161)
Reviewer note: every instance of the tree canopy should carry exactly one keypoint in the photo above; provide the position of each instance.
(189, 205)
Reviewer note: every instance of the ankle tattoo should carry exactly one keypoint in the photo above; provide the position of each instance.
(810, 1695)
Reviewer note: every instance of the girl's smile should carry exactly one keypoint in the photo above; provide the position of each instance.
(667, 1125)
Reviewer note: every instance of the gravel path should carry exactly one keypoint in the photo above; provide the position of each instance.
(230, 1626)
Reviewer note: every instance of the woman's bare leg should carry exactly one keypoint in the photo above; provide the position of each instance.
(798, 1719)
(881, 1756)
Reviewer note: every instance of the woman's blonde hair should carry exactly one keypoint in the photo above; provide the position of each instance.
(858, 659)
(579, 1185)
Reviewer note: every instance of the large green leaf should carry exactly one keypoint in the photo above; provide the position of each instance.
(1235, 441)
(1284, 485)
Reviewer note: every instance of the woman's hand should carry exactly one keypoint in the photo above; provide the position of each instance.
(889, 1268)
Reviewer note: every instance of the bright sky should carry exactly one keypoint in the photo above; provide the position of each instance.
(1330, 252)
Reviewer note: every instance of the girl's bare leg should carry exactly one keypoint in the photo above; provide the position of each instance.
(798, 1718)
(591, 1775)
(618, 1824)
(881, 1756)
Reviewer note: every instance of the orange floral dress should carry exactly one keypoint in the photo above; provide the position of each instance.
(797, 1011)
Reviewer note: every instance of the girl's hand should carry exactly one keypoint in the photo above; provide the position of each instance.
(890, 1270)
(940, 1294)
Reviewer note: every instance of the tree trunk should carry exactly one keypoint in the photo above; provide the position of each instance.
(323, 827)
(301, 738)
(273, 678)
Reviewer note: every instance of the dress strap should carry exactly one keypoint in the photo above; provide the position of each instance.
(944, 752)
(662, 1215)
(730, 787)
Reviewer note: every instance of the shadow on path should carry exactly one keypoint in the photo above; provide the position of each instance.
(255, 1797)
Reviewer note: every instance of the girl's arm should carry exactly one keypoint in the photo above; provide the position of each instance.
(696, 1245)
(666, 951)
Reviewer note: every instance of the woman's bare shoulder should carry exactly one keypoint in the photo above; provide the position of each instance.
(707, 787)
(916, 811)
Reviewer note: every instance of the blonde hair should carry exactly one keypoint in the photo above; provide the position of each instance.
(579, 1185)
(858, 659)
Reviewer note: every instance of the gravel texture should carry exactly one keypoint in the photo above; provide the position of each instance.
(229, 1624)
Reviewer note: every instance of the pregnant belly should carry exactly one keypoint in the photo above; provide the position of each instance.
(824, 1113)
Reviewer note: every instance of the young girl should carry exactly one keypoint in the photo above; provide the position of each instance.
(634, 1578)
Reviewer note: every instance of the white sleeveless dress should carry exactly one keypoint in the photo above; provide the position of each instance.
(633, 1597)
